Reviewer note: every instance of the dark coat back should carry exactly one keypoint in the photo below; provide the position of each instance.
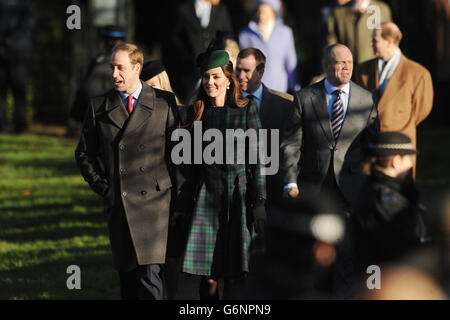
(188, 39)
(126, 159)
(274, 110)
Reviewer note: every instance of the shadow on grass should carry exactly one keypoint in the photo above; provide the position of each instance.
(47, 280)
(56, 233)
(51, 166)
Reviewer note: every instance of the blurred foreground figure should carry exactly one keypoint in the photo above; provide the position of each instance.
(389, 219)
(399, 282)
(300, 254)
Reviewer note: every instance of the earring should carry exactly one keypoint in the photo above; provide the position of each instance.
(228, 88)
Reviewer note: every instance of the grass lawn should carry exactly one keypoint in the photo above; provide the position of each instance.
(50, 219)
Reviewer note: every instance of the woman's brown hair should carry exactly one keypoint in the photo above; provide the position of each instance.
(234, 95)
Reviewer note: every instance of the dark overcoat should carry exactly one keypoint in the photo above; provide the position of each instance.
(275, 109)
(126, 159)
(187, 40)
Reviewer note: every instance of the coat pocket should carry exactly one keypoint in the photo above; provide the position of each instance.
(163, 183)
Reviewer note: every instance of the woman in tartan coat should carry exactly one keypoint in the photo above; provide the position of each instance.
(222, 225)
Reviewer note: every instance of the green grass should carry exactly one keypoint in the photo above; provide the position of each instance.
(49, 220)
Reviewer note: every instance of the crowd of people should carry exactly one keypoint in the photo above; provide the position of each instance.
(343, 199)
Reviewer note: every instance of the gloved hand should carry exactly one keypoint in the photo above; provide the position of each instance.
(259, 216)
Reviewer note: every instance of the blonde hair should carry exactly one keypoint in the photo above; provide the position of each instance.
(165, 84)
(134, 53)
(232, 46)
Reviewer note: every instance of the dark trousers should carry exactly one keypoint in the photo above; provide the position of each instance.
(13, 75)
(143, 283)
(342, 273)
(231, 286)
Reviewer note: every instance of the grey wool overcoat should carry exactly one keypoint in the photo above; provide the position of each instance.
(126, 159)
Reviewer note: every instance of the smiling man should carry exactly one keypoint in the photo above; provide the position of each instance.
(123, 153)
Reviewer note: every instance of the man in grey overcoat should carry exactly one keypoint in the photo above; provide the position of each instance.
(124, 155)
(323, 141)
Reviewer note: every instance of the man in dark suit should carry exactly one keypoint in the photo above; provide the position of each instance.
(322, 142)
(123, 153)
(196, 23)
(274, 107)
(322, 146)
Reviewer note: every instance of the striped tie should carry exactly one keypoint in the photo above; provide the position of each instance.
(337, 115)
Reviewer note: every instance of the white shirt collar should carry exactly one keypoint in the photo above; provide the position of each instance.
(203, 11)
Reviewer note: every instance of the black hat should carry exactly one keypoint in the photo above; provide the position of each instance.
(114, 32)
(151, 69)
(390, 144)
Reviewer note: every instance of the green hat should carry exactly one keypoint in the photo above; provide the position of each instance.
(214, 59)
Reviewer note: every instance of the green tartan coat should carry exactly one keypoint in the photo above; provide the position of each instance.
(219, 236)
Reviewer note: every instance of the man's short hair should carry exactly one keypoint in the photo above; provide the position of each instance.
(134, 53)
(328, 53)
(260, 58)
(390, 30)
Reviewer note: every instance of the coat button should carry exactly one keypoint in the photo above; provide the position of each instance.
(122, 170)
(141, 146)
(124, 194)
(143, 192)
(122, 147)
(142, 169)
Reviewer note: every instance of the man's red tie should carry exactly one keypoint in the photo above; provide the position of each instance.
(130, 104)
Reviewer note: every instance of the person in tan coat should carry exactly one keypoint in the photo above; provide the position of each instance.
(404, 88)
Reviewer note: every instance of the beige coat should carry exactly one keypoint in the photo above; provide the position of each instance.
(407, 99)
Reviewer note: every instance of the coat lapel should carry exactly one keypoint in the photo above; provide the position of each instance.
(264, 112)
(116, 111)
(142, 110)
(355, 111)
(320, 105)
